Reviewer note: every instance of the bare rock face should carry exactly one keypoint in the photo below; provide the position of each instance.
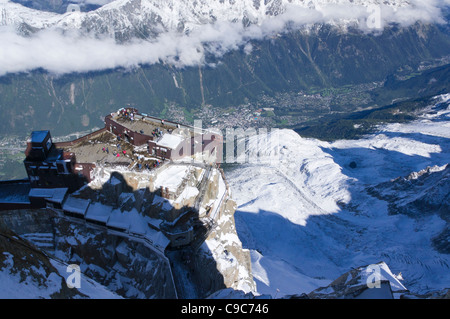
(368, 282)
(220, 263)
(127, 267)
(31, 269)
(233, 261)
(420, 194)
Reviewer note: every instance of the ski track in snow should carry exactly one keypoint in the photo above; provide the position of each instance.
(301, 239)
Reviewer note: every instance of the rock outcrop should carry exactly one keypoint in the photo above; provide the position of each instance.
(225, 247)
(125, 267)
(206, 252)
(369, 282)
(420, 194)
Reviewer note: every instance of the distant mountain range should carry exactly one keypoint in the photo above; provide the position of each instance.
(61, 6)
(125, 19)
(192, 54)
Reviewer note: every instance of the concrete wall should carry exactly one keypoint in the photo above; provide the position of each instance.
(132, 137)
(78, 140)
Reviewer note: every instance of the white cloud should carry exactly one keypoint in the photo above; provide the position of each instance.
(69, 52)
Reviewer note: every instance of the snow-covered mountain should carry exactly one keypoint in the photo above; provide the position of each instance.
(360, 283)
(322, 209)
(318, 217)
(131, 33)
(123, 19)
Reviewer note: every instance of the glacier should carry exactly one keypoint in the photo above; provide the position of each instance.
(307, 217)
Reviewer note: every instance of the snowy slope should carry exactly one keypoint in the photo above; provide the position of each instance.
(14, 14)
(309, 212)
(28, 274)
(185, 15)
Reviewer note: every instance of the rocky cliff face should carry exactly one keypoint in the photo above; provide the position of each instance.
(123, 265)
(369, 282)
(418, 195)
(120, 266)
(216, 259)
(422, 192)
(26, 272)
(224, 248)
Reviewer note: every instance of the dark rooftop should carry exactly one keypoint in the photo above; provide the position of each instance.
(15, 192)
(39, 136)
